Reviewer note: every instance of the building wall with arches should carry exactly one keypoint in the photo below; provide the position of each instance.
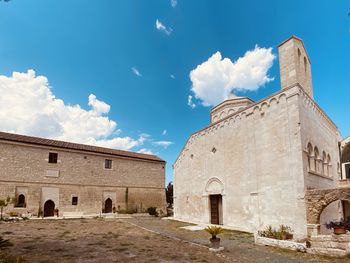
(266, 156)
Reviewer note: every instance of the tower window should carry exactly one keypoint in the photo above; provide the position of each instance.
(108, 164)
(53, 157)
(305, 64)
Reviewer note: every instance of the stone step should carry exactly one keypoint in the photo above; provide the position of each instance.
(333, 252)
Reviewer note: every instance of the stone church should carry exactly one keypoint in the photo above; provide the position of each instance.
(253, 164)
(43, 175)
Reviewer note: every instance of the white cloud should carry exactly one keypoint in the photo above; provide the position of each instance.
(172, 76)
(98, 106)
(215, 79)
(28, 106)
(136, 72)
(145, 151)
(164, 144)
(190, 102)
(173, 3)
(161, 27)
(164, 132)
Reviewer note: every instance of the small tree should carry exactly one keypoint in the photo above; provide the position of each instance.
(4, 203)
(169, 191)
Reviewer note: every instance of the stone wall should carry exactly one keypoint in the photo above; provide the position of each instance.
(256, 156)
(24, 169)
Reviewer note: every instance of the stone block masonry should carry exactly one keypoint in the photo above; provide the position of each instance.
(77, 178)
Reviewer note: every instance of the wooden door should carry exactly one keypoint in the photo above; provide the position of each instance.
(49, 208)
(108, 206)
(214, 209)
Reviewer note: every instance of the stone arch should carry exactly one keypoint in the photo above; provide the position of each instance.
(21, 200)
(108, 205)
(49, 208)
(214, 186)
(318, 200)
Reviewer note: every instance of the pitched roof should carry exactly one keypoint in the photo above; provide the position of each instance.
(75, 146)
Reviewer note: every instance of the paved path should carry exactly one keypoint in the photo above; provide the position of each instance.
(239, 246)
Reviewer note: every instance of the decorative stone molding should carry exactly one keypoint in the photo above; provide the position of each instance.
(256, 109)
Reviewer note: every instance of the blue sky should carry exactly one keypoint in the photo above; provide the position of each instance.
(138, 69)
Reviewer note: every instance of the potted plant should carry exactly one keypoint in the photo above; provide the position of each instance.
(214, 231)
(339, 226)
(57, 212)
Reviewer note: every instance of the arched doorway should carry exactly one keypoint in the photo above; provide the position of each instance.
(49, 208)
(21, 201)
(214, 189)
(108, 205)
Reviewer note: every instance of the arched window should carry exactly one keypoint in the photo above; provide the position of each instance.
(21, 201)
(309, 157)
(299, 55)
(305, 64)
(316, 160)
(328, 164)
(324, 163)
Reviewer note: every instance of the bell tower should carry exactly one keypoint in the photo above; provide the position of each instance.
(295, 65)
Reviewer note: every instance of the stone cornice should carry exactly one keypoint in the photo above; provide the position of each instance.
(295, 89)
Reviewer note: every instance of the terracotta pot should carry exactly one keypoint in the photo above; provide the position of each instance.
(289, 236)
(340, 230)
(215, 242)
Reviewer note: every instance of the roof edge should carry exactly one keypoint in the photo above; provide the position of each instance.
(19, 138)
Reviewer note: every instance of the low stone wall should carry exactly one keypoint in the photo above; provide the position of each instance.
(287, 244)
(331, 245)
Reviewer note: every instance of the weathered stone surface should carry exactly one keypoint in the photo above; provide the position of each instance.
(287, 244)
(257, 159)
(24, 169)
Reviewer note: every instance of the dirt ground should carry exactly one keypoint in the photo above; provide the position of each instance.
(129, 240)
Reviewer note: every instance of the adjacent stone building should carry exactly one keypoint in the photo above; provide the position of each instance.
(43, 175)
(253, 164)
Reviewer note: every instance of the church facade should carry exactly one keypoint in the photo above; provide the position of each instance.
(43, 176)
(252, 165)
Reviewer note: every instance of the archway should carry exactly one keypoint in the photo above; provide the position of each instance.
(21, 201)
(214, 189)
(317, 200)
(108, 205)
(49, 208)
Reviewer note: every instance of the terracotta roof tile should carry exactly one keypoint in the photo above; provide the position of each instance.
(75, 146)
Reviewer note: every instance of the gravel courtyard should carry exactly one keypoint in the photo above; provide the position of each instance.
(129, 240)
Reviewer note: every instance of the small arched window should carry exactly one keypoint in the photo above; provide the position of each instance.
(299, 56)
(309, 157)
(324, 163)
(305, 64)
(21, 201)
(328, 164)
(316, 160)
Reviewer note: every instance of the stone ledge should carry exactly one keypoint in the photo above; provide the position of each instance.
(287, 244)
(333, 252)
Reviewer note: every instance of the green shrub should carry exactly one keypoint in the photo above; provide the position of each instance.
(152, 211)
(281, 233)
